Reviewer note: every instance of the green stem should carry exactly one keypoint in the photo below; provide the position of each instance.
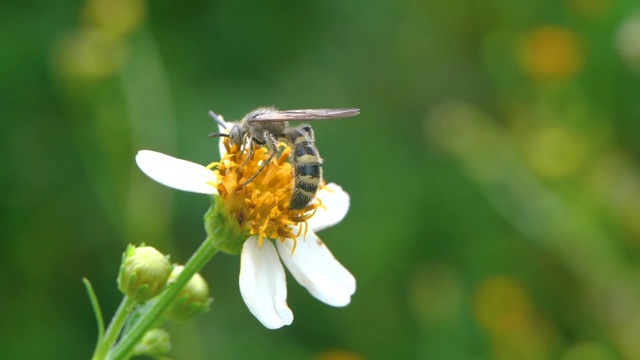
(204, 253)
(119, 318)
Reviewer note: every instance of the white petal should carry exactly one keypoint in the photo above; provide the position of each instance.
(263, 284)
(334, 207)
(176, 173)
(315, 268)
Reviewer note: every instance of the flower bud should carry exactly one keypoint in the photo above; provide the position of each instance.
(155, 343)
(143, 273)
(193, 299)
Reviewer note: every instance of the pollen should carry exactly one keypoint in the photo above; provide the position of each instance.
(260, 203)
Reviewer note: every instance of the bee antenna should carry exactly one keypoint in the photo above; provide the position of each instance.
(218, 135)
(217, 119)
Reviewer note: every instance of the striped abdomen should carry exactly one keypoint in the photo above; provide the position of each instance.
(307, 166)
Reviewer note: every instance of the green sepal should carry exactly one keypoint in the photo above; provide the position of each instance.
(222, 228)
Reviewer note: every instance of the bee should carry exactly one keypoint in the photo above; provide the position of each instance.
(267, 126)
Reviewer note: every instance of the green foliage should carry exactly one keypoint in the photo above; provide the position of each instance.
(493, 171)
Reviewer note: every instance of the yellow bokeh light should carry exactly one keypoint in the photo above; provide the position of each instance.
(88, 54)
(590, 8)
(117, 18)
(339, 354)
(551, 53)
(555, 151)
(502, 305)
(533, 341)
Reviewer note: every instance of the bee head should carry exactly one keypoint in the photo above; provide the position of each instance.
(236, 135)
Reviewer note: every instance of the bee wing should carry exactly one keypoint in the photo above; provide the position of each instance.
(305, 114)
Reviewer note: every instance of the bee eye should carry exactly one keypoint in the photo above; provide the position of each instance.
(235, 135)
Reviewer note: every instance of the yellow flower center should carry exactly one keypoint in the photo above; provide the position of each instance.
(261, 205)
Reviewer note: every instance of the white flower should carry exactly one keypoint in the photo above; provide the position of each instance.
(262, 278)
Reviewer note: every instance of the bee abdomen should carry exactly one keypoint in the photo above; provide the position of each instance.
(307, 166)
(307, 180)
(308, 177)
(300, 200)
(308, 172)
(306, 153)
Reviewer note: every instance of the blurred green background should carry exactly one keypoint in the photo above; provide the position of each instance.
(494, 170)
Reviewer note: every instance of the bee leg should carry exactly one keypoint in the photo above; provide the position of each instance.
(272, 143)
(249, 156)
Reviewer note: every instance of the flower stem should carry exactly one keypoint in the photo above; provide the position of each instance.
(105, 343)
(144, 324)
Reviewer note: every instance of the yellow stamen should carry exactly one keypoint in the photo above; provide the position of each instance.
(262, 205)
